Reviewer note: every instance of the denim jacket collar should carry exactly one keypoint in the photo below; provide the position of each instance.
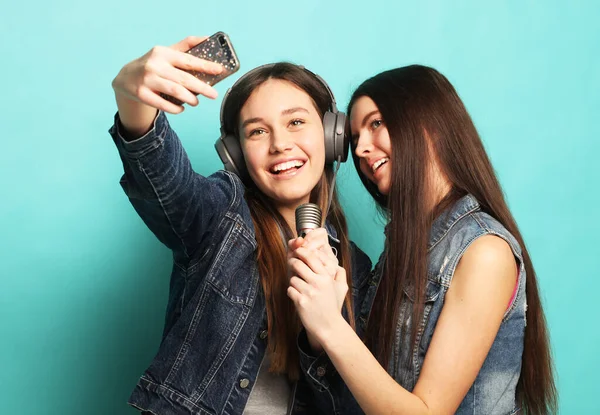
(444, 222)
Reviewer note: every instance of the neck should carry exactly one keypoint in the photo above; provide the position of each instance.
(438, 204)
(289, 215)
(440, 187)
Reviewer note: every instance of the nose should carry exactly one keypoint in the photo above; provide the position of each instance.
(281, 141)
(364, 146)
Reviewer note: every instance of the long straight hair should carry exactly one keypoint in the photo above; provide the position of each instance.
(282, 319)
(422, 110)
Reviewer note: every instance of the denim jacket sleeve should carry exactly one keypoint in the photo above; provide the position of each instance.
(176, 203)
(330, 392)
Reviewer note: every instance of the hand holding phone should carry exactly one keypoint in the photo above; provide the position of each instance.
(218, 49)
(168, 76)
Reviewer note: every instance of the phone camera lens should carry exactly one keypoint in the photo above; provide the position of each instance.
(222, 41)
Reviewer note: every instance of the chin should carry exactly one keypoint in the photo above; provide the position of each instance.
(291, 199)
(289, 192)
(384, 190)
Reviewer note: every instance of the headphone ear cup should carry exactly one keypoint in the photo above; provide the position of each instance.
(336, 142)
(341, 139)
(230, 152)
(329, 124)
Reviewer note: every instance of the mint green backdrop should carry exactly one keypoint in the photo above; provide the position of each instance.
(83, 283)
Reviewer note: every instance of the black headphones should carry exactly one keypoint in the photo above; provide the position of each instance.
(334, 124)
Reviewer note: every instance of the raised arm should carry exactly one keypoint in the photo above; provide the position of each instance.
(176, 203)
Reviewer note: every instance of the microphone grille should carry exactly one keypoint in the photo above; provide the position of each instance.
(308, 216)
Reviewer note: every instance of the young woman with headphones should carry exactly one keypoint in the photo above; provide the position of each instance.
(232, 341)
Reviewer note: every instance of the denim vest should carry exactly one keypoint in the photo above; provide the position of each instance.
(494, 389)
(215, 335)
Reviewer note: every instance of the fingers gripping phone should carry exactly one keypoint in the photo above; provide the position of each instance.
(217, 48)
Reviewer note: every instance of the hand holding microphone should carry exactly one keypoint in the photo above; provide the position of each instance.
(308, 220)
(311, 257)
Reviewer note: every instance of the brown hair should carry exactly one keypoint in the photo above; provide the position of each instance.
(420, 107)
(283, 321)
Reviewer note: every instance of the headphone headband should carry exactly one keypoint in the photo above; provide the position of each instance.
(332, 106)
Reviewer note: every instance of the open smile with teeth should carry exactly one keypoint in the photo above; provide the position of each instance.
(287, 167)
(379, 163)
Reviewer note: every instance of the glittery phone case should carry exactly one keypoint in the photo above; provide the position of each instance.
(217, 48)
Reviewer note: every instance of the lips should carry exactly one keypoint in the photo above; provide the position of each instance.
(286, 167)
(375, 166)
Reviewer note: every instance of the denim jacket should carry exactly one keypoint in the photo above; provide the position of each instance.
(494, 389)
(214, 337)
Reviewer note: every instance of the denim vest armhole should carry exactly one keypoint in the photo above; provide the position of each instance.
(500, 232)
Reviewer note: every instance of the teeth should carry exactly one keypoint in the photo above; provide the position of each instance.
(288, 165)
(379, 163)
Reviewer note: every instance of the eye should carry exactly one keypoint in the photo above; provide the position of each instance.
(376, 123)
(256, 132)
(296, 122)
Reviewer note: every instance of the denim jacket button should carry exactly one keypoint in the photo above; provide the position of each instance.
(263, 334)
(244, 383)
(321, 371)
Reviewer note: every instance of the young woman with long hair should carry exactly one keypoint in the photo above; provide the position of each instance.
(453, 317)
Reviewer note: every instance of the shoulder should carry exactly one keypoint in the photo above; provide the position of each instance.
(229, 184)
(489, 251)
(486, 273)
(466, 234)
(227, 192)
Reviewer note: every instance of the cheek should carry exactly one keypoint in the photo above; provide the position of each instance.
(385, 142)
(319, 152)
(317, 146)
(254, 167)
(252, 157)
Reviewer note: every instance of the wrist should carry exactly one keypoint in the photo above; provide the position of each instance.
(136, 118)
(329, 337)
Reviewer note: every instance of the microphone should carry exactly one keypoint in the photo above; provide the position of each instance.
(308, 217)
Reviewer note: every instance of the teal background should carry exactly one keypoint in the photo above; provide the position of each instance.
(83, 283)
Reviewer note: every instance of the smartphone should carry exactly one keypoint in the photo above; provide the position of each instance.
(217, 48)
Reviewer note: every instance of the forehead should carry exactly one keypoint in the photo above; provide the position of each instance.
(274, 96)
(361, 107)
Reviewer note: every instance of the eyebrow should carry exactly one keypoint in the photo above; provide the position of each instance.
(284, 112)
(364, 122)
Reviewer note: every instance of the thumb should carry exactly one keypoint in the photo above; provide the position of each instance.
(188, 43)
(296, 243)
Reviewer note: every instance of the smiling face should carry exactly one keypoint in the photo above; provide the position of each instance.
(371, 141)
(281, 135)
